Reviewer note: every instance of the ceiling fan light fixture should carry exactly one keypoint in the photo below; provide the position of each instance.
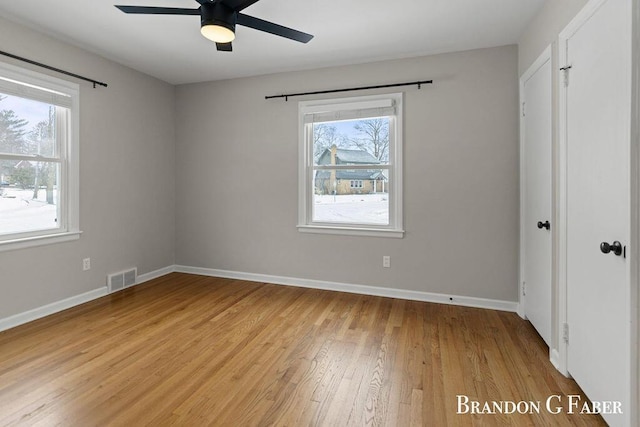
(218, 22)
(218, 33)
(218, 19)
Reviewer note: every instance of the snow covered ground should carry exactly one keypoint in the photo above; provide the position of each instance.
(20, 213)
(352, 208)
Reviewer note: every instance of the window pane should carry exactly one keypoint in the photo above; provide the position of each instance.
(351, 142)
(28, 196)
(26, 126)
(359, 196)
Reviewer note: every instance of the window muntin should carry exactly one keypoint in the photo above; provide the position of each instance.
(350, 158)
(38, 158)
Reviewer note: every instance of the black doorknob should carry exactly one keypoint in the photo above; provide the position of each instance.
(545, 224)
(615, 247)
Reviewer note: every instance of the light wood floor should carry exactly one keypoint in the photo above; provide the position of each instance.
(193, 350)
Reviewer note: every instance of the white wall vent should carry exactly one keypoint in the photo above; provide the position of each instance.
(115, 282)
(130, 277)
(122, 279)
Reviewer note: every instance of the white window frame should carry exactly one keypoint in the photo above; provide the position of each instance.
(29, 84)
(347, 109)
(356, 183)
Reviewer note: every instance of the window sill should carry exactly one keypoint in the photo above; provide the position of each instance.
(351, 231)
(28, 242)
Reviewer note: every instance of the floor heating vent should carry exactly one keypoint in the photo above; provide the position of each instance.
(121, 280)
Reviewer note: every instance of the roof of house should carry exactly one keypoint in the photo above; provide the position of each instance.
(352, 174)
(353, 157)
(25, 163)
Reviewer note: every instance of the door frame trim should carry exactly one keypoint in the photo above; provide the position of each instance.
(634, 232)
(561, 274)
(544, 57)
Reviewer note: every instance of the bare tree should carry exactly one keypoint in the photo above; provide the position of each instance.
(373, 137)
(324, 136)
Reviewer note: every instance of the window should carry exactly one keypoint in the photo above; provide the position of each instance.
(38, 159)
(350, 172)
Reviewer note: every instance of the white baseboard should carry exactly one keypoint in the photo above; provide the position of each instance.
(554, 358)
(55, 307)
(155, 274)
(520, 309)
(355, 289)
(46, 310)
(37, 313)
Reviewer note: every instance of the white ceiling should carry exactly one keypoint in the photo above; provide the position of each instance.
(346, 32)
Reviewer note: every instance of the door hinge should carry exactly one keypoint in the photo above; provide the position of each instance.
(523, 114)
(524, 288)
(565, 71)
(565, 333)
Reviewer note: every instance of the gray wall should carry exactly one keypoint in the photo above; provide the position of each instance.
(210, 170)
(127, 179)
(544, 29)
(236, 163)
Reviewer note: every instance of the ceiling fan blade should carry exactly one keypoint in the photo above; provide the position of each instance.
(238, 5)
(224, 47)
(270, 27)
(148, 10)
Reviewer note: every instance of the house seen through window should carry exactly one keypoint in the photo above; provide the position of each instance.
(351, 153)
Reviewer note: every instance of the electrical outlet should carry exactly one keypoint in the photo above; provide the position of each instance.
(386, 261)
(86, 264)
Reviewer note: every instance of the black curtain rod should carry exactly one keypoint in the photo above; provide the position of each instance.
(287, 96)
(58, 70)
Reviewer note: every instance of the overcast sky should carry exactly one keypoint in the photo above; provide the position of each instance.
(32, 111)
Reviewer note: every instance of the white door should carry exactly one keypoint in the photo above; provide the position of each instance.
(598, 95)
(536, 204)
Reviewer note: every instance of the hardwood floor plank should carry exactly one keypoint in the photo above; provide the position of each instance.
(415, 409)
(193, 350)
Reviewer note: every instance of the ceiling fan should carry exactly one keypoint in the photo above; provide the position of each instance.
(218, 19)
